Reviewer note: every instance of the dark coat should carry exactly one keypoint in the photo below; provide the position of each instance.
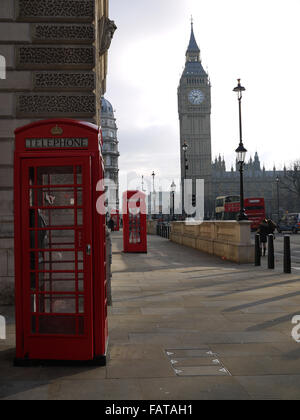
(111, 224)
(272, 226)
(263, 231)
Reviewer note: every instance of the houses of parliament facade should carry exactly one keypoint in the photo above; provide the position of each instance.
(194, 108)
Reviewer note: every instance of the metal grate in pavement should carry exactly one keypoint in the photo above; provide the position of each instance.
(196, 362)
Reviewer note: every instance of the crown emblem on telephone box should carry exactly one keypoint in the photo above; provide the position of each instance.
(56, 131)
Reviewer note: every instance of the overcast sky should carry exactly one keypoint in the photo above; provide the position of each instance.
(255, 40)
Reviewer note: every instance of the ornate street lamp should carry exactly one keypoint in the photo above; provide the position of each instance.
(173, 189)
(241, 151)
(186, 167)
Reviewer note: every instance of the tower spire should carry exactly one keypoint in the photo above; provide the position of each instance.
(193, 46)
(193, 60)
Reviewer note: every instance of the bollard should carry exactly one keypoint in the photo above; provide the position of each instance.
(287, 255)
(271, 261)
(257, 250)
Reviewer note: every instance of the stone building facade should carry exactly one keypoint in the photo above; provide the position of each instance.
(55, 56)
(110, 153)
(194, 107)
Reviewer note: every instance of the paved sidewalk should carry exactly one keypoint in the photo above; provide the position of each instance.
(183, 325)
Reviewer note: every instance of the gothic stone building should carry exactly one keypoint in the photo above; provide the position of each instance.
(194, 107)
(55, 56)
(258, 182)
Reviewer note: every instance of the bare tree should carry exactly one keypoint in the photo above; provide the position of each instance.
(291, 178)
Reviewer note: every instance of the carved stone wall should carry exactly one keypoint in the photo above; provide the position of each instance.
(64, 80)
(53, 69)
(28, 57)
(58, 105)
(56, 10)
(63, 33)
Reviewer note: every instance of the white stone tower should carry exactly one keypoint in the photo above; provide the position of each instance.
(110, 152)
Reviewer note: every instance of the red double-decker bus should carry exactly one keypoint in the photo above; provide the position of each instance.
(255, 210)
(228, 207)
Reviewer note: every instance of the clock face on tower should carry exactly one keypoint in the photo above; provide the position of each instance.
(196, 96)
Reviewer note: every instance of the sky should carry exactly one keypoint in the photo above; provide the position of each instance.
(254, 40)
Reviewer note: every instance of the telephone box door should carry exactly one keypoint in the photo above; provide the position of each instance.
(57, 258)
(134, 222)
(116, 218)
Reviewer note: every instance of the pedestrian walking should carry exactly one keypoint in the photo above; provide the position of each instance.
(111, 224)
(272, 226)
(263, 231)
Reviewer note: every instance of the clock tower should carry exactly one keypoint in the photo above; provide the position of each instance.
(194, 107)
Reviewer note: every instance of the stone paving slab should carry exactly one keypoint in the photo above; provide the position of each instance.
(281, 387)
(141, 352)
(193, 388)
(137, 368)
(261, 365)
(178, 300)
(245, 350)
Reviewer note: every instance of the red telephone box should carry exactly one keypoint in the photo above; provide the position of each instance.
(134, 222)
(60, 274)
(115, 215)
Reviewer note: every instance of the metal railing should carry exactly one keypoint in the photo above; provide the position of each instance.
(163, 230)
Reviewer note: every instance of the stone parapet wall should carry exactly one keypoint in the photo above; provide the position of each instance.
(230, 240)
(151, 227)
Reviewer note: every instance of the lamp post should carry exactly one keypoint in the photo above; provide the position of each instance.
(143, 190)
(277, 184)
(185, 168)
(173, 189)
(241, 151)
(154, 204)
